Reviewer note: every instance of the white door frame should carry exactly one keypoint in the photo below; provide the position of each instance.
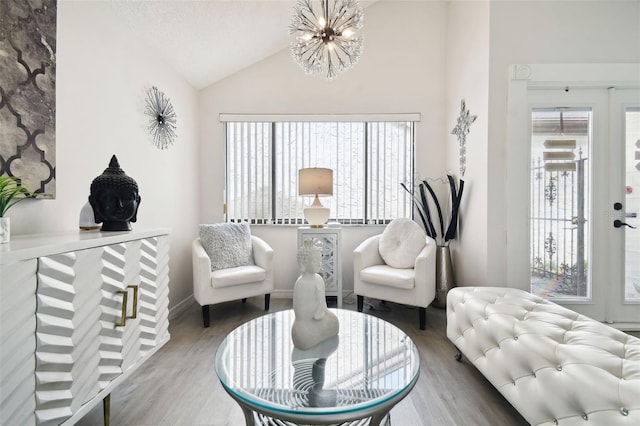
(522, 78)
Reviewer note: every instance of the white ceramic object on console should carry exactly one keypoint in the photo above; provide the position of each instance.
(5, 230)
(314, 322)
(87, 220)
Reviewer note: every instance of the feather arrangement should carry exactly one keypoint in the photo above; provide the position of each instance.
(437, 231)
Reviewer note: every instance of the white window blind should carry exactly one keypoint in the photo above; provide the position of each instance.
(369, 161)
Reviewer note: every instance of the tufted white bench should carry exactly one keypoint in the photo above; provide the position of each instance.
(553, 365)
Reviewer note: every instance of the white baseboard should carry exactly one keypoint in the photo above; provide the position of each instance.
(282, 293)
(625, 326)
(347, 296)
(185, 304)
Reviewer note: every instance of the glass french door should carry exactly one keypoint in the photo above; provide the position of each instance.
(584, 176)
(624, 200)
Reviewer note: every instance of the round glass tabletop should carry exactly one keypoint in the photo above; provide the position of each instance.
(371, 364)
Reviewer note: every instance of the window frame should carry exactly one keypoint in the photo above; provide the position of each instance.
(274, 119)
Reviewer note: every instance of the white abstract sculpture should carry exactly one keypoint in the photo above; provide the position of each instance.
(314, 323)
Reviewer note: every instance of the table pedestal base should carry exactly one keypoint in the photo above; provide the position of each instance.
(377, 420)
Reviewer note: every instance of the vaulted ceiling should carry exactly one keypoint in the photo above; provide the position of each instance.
(208, 40)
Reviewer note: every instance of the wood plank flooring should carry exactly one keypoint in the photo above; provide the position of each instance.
(178, 385)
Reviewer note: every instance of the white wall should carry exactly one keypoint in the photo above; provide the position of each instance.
(538, 32)
(401, 70)
(467, 78)
(102, 75)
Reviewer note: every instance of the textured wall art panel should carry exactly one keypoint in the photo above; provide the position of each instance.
(28, 93)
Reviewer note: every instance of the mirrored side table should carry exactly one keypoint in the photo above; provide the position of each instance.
(331, 269)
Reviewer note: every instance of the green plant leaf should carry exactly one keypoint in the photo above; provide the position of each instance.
(10, 189)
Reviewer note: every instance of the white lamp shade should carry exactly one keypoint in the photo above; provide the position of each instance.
(315, 181)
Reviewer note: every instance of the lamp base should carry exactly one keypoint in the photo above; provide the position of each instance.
(316, 216)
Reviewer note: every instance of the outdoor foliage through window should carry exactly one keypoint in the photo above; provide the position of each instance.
(369, 161)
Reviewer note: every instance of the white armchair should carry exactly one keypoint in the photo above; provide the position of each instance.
(223, 285)
(415, 285)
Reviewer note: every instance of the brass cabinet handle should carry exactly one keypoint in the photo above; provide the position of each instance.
(135, 301)
(123, 316)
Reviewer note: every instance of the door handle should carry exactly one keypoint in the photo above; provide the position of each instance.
(135, 301)
(618, 224)
(123, 317)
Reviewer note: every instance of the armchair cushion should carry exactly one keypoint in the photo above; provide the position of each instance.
(227, 244)
(401, 242)
(388, 276)
(239, 275)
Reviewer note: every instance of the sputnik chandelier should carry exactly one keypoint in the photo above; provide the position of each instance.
(325, 35)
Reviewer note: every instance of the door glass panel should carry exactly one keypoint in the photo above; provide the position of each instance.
(632, 204)
(559, 216)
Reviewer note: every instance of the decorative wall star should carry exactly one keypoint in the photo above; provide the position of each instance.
(461, 131)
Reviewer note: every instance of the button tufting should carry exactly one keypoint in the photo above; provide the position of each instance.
(533, 374)
(486, 318)
(555, 421)
(624, 411)
(559, 368)
(515, 337)
(585, 417)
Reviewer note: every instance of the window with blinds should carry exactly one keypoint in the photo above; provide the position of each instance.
(369, 160)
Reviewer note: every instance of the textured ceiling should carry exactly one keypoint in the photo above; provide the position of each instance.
(208, 40)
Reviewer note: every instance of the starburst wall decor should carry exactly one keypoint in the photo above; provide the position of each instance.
(162, 118)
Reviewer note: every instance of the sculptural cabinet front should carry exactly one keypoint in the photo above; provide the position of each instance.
(97, 313)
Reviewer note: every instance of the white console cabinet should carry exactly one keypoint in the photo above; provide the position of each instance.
(80, 311)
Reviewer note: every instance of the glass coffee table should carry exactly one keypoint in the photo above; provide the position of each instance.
(357, 376)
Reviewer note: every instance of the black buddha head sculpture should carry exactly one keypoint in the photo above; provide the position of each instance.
(114, 198)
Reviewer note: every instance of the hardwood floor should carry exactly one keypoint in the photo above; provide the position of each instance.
(178, 385)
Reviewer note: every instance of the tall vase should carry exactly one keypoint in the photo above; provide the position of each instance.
(444, 276)
(5, 230)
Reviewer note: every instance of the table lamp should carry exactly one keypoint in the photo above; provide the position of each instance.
(315, 181)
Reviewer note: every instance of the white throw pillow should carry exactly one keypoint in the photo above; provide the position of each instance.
(401, 242)
(227, 244)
